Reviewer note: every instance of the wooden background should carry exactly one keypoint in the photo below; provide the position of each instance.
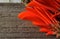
(13, 28)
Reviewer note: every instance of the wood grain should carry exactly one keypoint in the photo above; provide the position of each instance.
(13, 28)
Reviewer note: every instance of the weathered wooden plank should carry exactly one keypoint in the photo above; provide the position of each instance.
(25, 35)
(27, 38)
(13, 28)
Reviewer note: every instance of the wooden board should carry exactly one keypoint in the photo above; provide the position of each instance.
(13, 28)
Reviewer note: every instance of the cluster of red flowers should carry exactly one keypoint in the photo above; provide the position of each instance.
(43, 13)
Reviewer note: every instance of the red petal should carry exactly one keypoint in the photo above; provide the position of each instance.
(50, 33)
(44, 30)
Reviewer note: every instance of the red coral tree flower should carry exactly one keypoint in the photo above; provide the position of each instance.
(45, 14)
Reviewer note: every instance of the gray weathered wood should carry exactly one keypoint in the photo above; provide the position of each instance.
(13, 28)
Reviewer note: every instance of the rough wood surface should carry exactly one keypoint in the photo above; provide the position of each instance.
(13, 28)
